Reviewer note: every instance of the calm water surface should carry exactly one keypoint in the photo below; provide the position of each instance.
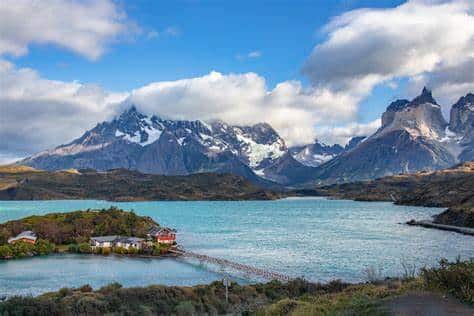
(312, 237)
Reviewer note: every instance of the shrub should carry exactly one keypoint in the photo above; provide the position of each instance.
(409, 270)
(6, 251)
(373, 275)
(73, 248)
(185, 308)
(84, 248)
(456, 278)
(85, 288)
(44, 247)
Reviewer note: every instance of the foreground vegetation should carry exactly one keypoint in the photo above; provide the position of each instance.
(70, 232)
(26, 183)
(297, 297)
(23, 249)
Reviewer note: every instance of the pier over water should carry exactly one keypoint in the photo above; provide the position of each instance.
(270, 275)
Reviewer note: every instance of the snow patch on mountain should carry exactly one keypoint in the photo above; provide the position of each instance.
(256, 152)
(315, 154)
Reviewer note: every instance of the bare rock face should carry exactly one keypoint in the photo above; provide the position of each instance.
(409, 140)
(462, 124)
(421, 117)
(316, 153)
(462, 116)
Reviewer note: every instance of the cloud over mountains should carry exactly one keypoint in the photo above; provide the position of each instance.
(431, 41)
(363, 48)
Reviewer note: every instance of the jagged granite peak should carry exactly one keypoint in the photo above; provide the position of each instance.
(397, 105)
(151, 144)
(316, 153)
(461, 124)
(414, 136)
(426, 96)
(354, 142)
(420, 117)
(462, 114)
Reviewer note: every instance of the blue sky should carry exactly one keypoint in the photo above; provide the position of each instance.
(312, 69)
(206, 36)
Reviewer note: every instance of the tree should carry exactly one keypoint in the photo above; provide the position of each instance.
(6, 251)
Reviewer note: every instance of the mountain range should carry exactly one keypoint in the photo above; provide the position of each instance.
(414, 136)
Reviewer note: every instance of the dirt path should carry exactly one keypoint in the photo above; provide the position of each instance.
(426, 304)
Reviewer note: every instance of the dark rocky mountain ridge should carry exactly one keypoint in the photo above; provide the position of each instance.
(414, 136)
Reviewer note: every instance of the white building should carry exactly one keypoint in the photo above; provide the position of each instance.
(27, 236)
(117, 241)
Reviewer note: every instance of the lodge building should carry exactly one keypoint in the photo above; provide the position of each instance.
(27, 236)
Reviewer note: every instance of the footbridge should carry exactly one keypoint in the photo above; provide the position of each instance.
(270, 275)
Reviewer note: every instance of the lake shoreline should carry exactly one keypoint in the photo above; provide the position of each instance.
(255, 233)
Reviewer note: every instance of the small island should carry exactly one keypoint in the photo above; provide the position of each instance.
(102, 232)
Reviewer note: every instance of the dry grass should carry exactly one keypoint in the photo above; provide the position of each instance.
(17, 169)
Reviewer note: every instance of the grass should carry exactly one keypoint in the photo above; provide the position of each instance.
(449, 278)
(359, 299)
(17, 169)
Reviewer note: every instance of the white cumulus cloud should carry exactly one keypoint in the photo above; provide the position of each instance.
(341, 134)
(291, 109)
(366, 47)
(84, 27)
(38, 113)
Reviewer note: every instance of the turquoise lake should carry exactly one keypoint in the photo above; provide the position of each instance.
(315, 238)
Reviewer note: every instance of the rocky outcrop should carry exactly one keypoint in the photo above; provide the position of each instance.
(456, 216)
(354, 142)
(409, 140)
(315, 154)
(462, 124)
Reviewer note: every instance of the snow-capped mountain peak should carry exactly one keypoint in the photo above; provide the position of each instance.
(177, 146)
(316, 153)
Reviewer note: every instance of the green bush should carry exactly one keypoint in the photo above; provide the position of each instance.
(456, 278)
(185, 308)
(73, 248)
(84, 248)
(6, 251)
(44, 247)
(120, 250)
(24, 249)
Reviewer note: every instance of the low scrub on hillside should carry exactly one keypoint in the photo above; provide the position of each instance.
(457, 216)
(77, 227)
(22, 183)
